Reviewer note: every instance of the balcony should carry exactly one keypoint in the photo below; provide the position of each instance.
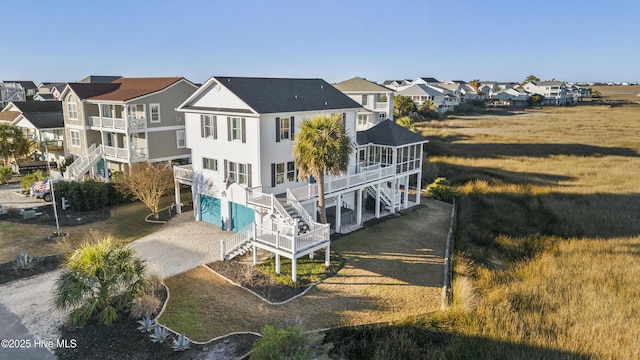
(138, 123)
(183, 174)
(126, 155)
(381, 105)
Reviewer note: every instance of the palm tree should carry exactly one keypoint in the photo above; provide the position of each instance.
(322, 146)
(99, 281)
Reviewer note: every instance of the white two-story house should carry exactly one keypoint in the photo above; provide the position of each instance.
(111, 125)
(241, 133)
(376, 100)
(554, 92)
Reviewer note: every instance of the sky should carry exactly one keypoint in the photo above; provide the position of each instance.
(501, 40)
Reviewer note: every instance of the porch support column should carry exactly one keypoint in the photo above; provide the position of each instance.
(255, 248)
(378, 200)
(394, 191)
(294, 269)
(277, 263)
(406, 191)
(177, 194)
(196, 202)
(418, 189)
(327, 255)
(359, 207)
(338, 213)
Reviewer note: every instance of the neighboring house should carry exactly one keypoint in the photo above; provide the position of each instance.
(11, 92)
(426, 81)
(111, 125)
(241, 133)
(578, 92)
(41, 122)
(28, 86)
(376, 100)
(510, 97)
(44, 97)
(443, 99)
(100, 79)
(554, 92)
(50, 90)
(396, 84)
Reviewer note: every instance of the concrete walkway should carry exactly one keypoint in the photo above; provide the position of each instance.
(26, 306)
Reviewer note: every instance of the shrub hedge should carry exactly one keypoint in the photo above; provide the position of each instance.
(90, 195)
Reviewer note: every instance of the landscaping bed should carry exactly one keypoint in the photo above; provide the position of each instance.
(123, 340)
(46, 264)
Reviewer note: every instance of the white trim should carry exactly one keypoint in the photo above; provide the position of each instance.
(151, 105)
(204, 88)
(162, 90)
(77, 127)
(166, 128)
(167, 158)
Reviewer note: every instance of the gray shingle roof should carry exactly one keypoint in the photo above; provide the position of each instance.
(388, 133)
(27, 107)
(42, 114)
(358, 84)
(274, 95)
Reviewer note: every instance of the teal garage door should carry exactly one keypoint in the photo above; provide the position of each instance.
(241, 216)
(210, 210)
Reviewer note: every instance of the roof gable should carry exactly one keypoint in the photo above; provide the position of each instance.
(131, 88)
(358, 84)
(279, 95)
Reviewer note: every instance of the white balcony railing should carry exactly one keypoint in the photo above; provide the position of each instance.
(381, 105)
(183, 174)
(133, 155)
(118, 123)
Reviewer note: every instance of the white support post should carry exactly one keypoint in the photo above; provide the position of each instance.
(177, 191)
(277, 263)
(406, 192)
(327, 255)
(338, 213)
(255, 255)
(418, 189)
(359, 207)
(394, 191)
(378, 201)
(294, 269)
(222, 250)
(311, 255)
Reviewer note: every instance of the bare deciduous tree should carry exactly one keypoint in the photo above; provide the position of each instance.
(147, 182)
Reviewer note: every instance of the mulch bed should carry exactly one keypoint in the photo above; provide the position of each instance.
(122, 340)
(248, 277)
(46, 264)
(65, 217)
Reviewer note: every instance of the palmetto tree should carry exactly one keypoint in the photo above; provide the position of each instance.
(322, 146)
(99, 281)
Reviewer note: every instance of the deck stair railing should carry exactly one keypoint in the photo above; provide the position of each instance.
(84, 162)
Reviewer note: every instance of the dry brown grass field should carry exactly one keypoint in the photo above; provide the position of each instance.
(548, 242)
(625, 93)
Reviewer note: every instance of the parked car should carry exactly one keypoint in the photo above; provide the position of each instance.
(42, 189)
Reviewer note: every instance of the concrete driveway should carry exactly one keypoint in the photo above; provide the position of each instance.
(26, 306)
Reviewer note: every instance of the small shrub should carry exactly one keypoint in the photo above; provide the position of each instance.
(146, 324)
(159, 334)
(440, 189)
(5, 174)
(29, 179)
(25, 262)
(154, 277)
(181, 343)
(44, 218)
(65, 246)
(291, 343)
(144, 306)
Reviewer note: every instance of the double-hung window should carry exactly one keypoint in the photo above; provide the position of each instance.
(365, 100)
(282, 173)
(208, 126)
(363, 119)
(181, 141)
(75, 138)
(285, 128)
(154, 113)
(238, 172)
(210, 164)
(236, 129)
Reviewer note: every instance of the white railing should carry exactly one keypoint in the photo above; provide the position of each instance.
(117, 123)
(344, 182)
(82, 163)
(230, 244)
(275, 239)
(293, 202)
(381, 105)
(184, 173)
(313, 237)
(270, 202)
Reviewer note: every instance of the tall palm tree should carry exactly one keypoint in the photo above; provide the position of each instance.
(322, 146)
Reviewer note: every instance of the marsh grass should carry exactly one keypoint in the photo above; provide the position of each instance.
(548, 240)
